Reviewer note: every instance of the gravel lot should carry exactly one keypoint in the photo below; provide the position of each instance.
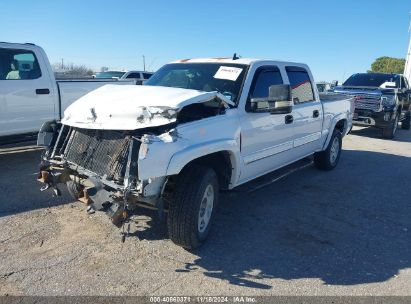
(345, 232)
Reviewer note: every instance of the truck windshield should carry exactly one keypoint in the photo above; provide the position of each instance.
(371, 80)
(223, 78)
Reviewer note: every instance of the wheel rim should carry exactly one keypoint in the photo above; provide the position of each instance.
(206, 208)
(335, 150)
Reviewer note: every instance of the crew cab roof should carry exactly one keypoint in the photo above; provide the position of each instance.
(229, 60)
(378, 73)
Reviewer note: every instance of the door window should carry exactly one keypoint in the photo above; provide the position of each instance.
(18, 65)
(301, 86)
(403, 83)
(263, 79)
(407, 86)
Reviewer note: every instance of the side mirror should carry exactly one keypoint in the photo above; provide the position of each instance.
(278, 101)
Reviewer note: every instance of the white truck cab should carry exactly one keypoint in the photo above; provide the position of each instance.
(195, 127)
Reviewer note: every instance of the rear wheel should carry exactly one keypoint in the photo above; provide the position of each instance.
(406, 123)
(328, 159)
(192, 210)
(390, 131)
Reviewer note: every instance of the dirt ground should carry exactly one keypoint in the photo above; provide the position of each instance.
(344, 232)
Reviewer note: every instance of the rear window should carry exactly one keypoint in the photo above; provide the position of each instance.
(16, 64)
(301, 86)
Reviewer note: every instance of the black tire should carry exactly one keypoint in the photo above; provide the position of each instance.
(74, 189)
(184, 211)
(327, 159)
(406, 123)
(389, 132)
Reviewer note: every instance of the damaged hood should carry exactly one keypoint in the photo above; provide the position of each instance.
(131, 107)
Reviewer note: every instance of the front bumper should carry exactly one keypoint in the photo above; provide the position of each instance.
(369, 118)
(103, 165)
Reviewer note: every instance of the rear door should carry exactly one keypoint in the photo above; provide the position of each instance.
(26, 94)
(266, 139)
(307, 112)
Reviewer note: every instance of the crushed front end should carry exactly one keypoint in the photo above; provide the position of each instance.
(99, 167)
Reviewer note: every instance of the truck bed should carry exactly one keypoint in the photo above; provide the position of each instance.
(336, 103)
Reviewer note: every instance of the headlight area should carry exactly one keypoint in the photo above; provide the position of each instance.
(388, 101)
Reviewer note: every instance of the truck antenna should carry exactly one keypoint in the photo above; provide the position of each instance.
(235, 57)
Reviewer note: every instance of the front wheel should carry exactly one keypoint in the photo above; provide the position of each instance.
(328, 159)
(192, 210)
(390, 131)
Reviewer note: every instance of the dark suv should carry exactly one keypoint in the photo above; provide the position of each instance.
(381, 101)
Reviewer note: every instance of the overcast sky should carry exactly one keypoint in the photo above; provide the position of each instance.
(336, 38)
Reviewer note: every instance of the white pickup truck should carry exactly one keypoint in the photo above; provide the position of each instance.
(196, 127)
(29, 93)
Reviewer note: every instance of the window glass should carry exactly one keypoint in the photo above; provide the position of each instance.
(406, 83)
(134, 75)
(301, 87)
(371, 79)
(202, 77)
(265, 78)
(147, 75)
(18, 64)
(403, 83)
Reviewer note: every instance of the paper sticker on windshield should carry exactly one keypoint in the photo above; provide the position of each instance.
(228, 73)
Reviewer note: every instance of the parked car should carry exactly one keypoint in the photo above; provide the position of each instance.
(196, 127)
(139, 76)
(381, 101)
(29, 93)
(324, 86)
(110, 74)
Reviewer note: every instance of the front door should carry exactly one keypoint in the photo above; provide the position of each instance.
(266, 139)
(26, 96)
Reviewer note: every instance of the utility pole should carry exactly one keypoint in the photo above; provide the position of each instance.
(62, 63)
(144, 63)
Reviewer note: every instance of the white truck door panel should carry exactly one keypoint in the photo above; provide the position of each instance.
(307, 126)
(266, 139)
(307, 112)
(27, 97)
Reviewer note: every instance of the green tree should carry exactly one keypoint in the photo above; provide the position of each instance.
(388, 65)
